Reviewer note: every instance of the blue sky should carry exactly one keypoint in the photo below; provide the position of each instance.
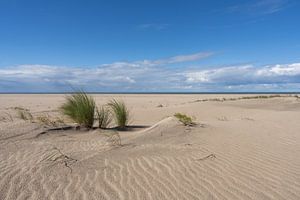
(149, 46)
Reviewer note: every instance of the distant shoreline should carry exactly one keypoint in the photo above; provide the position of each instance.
(153, 92)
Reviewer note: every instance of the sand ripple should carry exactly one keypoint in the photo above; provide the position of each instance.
(233, 159)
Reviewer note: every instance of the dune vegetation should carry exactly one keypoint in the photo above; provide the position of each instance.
(186, 120)
(80, 108)
(103, 117)
(120, 113)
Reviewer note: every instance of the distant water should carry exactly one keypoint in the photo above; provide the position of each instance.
(153, 92)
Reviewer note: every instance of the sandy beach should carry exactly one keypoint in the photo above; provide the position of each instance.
(240, 148)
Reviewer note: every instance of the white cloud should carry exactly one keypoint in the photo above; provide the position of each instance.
(186, 58)
(138, 75)
(261, 7)
(153, 26)
(151, 75)
(247, 74)
(280, 70)
(219, 74)
(27, 70)
(164, 61)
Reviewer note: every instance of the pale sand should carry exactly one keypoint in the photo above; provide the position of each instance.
(244, 149)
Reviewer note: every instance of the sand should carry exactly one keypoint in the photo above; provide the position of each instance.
(239, 149)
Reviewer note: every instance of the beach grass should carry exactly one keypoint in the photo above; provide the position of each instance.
(103, 117)
(80, 107)
(120, 113)
(186, 120)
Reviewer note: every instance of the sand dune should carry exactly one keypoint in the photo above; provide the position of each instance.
(245, 149)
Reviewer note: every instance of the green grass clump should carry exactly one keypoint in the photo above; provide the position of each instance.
(103, 116)
(120, 112)
(186, 120)
(80, 108)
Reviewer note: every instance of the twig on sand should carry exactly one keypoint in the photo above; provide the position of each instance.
(9, 116)
(62, 158)
(61, 128)
(211, 156)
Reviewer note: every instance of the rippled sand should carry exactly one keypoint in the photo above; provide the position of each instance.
(240, 149)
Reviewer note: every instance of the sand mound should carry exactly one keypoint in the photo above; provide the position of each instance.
(84, 165)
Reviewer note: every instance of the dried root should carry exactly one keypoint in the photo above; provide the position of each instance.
(60, 157)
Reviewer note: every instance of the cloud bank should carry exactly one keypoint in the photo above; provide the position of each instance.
(281, 77)
(151, 76)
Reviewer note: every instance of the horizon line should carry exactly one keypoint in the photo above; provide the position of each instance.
(261, 92)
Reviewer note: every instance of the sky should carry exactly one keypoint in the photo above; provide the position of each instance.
(150, 45)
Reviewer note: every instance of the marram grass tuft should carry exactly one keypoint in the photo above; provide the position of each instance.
(80, 107)
(120, 112)
(103, 117)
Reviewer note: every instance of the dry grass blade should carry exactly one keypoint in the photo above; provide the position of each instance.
(7, 117)
(46, 120)
(103, 116)
(24, 114)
